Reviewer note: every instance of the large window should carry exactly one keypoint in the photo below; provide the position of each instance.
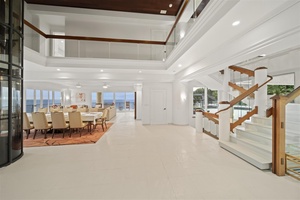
(120, 100)
(45, 99)
(198, 99)
(29, 100)
(94, 99)
(129, 104)
(57, 98)
(212, 100)
(108, 98)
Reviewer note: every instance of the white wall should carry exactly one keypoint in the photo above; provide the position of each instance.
(180, 103)
(146, 104)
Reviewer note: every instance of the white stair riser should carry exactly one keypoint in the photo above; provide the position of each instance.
(253, 137)
(261, 129)
(254, 149)
(246, 157)
(262, 121)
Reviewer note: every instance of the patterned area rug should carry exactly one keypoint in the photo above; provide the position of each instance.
(86, 137)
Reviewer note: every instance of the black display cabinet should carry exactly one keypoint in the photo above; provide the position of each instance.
(11, 80)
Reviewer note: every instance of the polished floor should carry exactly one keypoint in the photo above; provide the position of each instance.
(132, 161)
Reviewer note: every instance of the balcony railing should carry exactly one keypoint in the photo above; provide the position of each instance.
(112, 48)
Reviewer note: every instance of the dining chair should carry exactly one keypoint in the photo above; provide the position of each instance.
(75, 122)
(26, 125)
(58, 122)
(40, 123)
(45, 110)
(102, 121)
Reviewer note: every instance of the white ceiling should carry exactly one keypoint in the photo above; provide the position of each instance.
(212, 44)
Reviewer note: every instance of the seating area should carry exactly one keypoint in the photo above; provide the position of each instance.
(74, 121)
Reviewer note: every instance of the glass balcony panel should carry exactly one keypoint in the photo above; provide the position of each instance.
(4, 122)
(94, 49)
(124, 51)
(31, 39)
(4, 12)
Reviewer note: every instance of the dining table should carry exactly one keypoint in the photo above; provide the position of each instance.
(89, 117)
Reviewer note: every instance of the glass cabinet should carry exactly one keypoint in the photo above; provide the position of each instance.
(11, 81)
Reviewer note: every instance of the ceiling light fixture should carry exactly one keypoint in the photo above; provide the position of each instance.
(170, 5)
(78, 85)
(105, 86)
(58, 69)
(140, 71)
(236, 23)
(163, 12)
(262, 55)
(180, 65)
(101, 70)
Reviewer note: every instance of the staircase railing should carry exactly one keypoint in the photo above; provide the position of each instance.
(244, 93)
(278, 113)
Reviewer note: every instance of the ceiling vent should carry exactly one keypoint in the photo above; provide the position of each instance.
(163, 12)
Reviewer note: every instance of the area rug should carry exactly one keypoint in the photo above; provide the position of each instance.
(86, 138)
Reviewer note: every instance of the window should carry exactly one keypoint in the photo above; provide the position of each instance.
(198, 99)
(29, 100)
(94, 99)
(37, 100)
(120, 100)
(108, 98)
(129, 101)
(57, 97)
(212, 100)
(45, 99)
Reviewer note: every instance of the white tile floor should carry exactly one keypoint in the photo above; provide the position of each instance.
(132, 161)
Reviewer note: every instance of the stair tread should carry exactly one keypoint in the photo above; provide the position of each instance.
(247, 152)
(255, 133)
(257, 144)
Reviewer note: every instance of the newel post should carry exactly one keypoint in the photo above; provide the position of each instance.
(278, 135)
(224, 121)
(199, 121)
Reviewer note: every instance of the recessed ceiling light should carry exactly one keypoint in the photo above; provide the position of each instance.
(262, 55)
(140, 71)
(180, 65)
(236, 23)
(101, 70)
(170, 5)
(58, 69)
(78, 85)
(163, 12)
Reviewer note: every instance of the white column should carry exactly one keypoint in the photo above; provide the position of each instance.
(180, 104)
(224, 122)
(199, 122)
(261, 97)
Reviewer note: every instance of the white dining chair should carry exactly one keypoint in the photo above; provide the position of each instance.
(59, 122)
(26, 124)
(40, 123)
(75, 122)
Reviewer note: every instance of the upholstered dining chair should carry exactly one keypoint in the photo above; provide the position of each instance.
(75, 122)
(102, 121)
(26, 125)
(45, 110)
(58, 122)
(40, 123)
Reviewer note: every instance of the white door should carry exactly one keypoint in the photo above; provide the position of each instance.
(159, 107)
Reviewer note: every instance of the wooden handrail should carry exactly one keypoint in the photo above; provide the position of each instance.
(240, 89)
(295, 93)
(211, 116)
(69, 37)
(242, 119)
(242, 70)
